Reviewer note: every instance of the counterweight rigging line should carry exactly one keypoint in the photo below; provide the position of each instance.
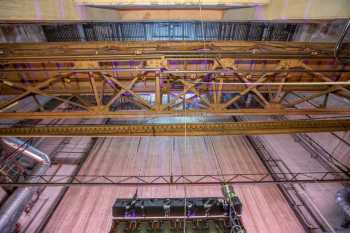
(220, 170)
(202, 23)
(335, 83)
(328, 117)
(96, 143)
(171, 161)
(185, 209)
(332, 133)
(173, 139)
(341, 39)
(136, 153)
(320, 118)
(306, 141)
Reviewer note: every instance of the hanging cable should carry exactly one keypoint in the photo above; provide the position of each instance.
(282, 83)
(202, 22)
(341, 39)
(185, 209)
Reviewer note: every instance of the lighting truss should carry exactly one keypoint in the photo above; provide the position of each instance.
(215, 179)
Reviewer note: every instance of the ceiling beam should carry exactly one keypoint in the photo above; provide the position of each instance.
(137, 114)
(68, 11)
(178, 4)
(190, 129)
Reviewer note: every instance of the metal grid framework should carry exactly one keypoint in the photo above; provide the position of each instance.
(96, 80)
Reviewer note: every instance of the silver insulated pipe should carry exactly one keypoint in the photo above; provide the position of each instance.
(343, 200)
(14, 206)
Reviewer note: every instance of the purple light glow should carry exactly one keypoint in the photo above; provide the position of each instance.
(81, 11)
(307, 9)
(285, 9)
(61, 6)
(192, 62)
(258, 13)
(38, 11)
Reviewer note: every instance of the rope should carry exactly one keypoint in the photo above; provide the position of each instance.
(280, 83)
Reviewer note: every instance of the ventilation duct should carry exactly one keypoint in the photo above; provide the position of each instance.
(343, 201)
(14, 206)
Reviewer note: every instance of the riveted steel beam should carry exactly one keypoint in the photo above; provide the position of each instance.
(135, 114)
(191, 129)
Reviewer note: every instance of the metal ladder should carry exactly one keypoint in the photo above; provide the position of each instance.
(305, 215)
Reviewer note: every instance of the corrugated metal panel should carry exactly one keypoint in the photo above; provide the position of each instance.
(171, 31)
(68, 32)
(267, 31)
(21, 33)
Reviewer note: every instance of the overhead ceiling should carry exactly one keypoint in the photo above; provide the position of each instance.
(93, 11)
(173, 3)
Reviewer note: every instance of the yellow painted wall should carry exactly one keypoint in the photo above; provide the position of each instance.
(293, 9)
(68, 10)
(168, 15)
(57, 10)
(172, 2)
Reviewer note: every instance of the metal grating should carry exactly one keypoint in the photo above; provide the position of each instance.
(170, 31)
(62, 33)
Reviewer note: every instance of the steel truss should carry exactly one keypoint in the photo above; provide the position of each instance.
(170, 78)
(239, 178)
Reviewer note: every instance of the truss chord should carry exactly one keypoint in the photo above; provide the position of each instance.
(248, 178)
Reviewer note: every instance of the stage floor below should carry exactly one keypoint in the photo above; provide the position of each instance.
(88, 209)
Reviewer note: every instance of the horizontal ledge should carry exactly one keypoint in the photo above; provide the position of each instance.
(134, 114)
(146, 50)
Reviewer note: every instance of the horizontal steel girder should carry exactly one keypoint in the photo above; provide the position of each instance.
(189, 129)
(136, 114)
(68, 51)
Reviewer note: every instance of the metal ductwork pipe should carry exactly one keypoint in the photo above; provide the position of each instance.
(14, 206)
(343, 201)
